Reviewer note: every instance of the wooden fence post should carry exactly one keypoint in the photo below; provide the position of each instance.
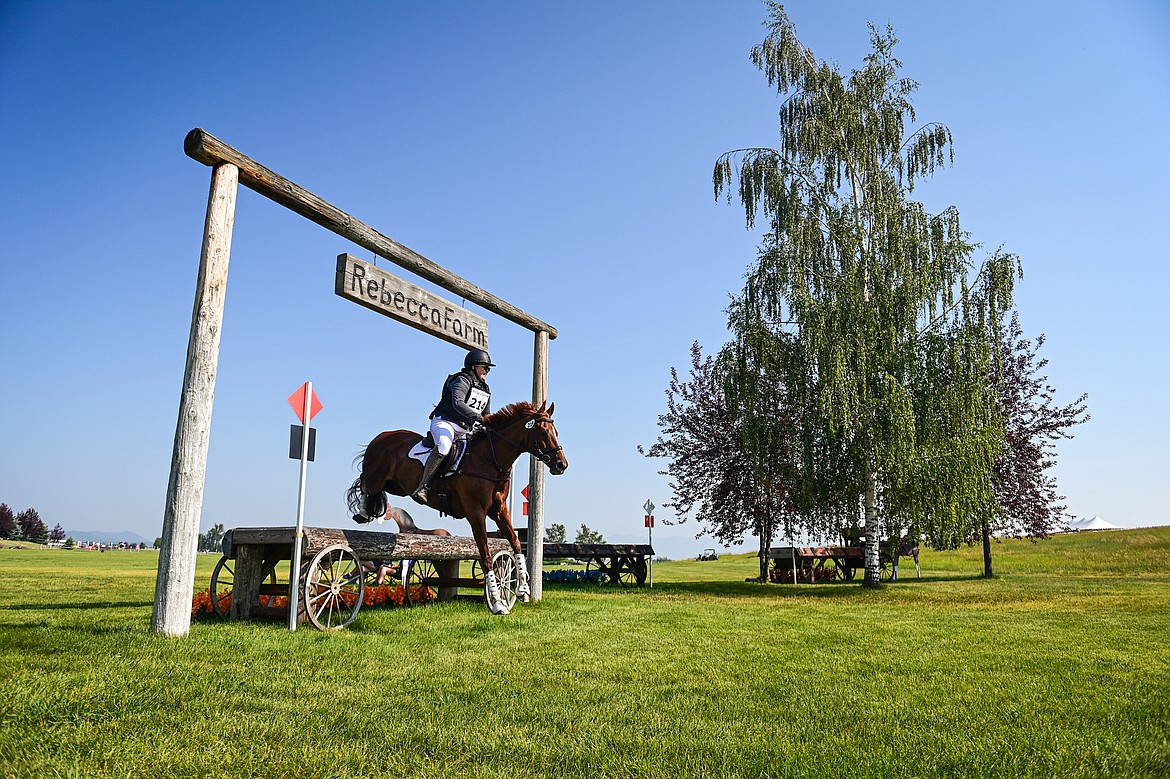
(175, 585)
(536, 473)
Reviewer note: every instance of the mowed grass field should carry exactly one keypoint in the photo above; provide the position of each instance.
(1058, 667)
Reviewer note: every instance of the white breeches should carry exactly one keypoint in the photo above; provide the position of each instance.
(444, 431)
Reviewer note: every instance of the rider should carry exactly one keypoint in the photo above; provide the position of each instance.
(466, 399)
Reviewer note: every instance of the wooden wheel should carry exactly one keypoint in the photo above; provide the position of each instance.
(833, 569)
(507, 575)
(887, 570)
(596, 572)
(640, 571)
(631, 572)
(419, 582)
(223, 580)
(333, 588)
(808, 571)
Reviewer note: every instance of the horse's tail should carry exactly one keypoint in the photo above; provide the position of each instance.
(363, 507)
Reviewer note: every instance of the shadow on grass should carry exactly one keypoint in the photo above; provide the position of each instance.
(18, 632)
(70, 606)
(820, 591)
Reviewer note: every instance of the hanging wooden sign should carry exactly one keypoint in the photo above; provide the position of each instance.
(397, 298)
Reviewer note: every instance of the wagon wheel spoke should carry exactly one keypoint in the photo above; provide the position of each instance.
(832, 569)
(223, 580)
(596, 572)
(334, 586)
(315, 593)
(507, 576)
(418, 590)
(628, 573)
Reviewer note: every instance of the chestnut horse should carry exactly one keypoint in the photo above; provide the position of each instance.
(478, 489)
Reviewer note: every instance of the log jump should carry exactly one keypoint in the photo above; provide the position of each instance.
(330, 572)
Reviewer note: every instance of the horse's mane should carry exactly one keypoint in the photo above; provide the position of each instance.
(509, 414)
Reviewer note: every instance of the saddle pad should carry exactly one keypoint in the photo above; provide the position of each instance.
(423, 448)
(420, 451)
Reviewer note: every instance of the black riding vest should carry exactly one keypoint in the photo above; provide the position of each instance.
(464, 400)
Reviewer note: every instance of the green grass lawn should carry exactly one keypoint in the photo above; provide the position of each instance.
(1058, 667)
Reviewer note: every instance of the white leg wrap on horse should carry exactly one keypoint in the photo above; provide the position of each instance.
(494, 598)
(523, 591)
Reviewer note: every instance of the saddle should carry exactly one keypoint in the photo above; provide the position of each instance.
(450, 465)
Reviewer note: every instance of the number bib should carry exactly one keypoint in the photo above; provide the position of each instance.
(478, 400)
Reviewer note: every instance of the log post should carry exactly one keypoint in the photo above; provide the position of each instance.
(536, 473)
(248, 578)
(447, 569)
(174, 586)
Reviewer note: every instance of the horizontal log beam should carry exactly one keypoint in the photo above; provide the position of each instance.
(596, 550)
(785, 552)
(366, 544)
(206, 148)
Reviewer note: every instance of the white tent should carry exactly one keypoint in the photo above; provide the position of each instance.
(1096, 523)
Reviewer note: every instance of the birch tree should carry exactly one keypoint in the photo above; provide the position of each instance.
(895, 320)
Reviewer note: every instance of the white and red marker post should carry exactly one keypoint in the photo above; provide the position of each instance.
(649, 507)
(306, 405)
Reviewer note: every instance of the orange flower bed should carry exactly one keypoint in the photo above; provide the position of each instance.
(372, 596)
(201, 604)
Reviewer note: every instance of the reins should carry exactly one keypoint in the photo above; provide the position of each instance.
(544, 455)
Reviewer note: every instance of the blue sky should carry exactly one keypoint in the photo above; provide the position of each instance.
(558, 155)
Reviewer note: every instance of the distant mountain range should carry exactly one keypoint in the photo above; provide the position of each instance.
(106, 537)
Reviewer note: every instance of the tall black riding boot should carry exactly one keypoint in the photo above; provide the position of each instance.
(432, 465)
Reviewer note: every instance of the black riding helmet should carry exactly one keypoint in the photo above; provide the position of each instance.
(478, 357)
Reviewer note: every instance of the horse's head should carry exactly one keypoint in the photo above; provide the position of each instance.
(542, 442)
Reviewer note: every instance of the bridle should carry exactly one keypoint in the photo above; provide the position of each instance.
(544, 455)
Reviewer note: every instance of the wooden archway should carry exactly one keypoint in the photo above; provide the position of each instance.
(174, 586)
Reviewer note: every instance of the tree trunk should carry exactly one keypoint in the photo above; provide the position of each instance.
(986, 550)
(763, 560)
(873, 562)
(766, 533)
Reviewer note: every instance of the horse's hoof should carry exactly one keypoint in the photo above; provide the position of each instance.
(501, 610)
(360, 519)
(525, 598)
